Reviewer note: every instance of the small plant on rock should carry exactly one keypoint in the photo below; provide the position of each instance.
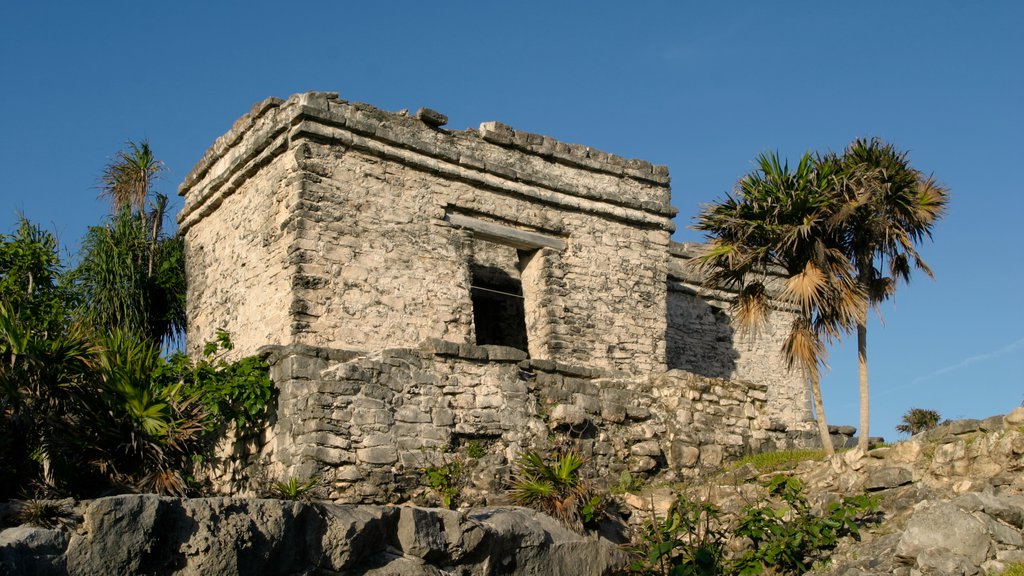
(446, 480)
(557, 488)
(475, 449)
(918, 420)
(1016, 569)
(42, 513)
(294, 489)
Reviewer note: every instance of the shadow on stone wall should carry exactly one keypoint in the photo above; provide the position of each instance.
(699, 337)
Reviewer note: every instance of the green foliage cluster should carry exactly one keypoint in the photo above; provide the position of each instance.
(690, 540)
(88, 402)
(239, 391)
(446, 480)
(917, 420)
(557, 488)
(786, 536)
(475, 449)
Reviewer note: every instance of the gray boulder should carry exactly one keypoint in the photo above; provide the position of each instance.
(942, 525)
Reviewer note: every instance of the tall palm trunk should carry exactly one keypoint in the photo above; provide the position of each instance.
(862, 369)
(819, 415)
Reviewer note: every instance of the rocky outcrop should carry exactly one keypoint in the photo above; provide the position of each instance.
(953, 501)
(146, 534)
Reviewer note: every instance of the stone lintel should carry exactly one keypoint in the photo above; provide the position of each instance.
(519, 239)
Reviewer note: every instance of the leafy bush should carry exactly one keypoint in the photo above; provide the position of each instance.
(240, 391)
(786, 537)
(557, 489)
(917, 420)
(690, 540)
(446, 480)
(474, 449)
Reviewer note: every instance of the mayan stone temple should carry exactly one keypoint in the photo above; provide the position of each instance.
(417, 289)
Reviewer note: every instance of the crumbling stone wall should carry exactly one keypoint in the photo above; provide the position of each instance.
(348, 237)
(368, 423)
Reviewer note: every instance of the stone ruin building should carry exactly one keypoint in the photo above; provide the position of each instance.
(417, 289)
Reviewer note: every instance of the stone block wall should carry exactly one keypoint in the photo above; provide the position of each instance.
(367, 424)
(702, 337)
(371, 219)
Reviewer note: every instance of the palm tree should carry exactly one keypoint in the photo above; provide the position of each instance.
(130, 273)
(778, 221)
(128, 179)
(888, 208)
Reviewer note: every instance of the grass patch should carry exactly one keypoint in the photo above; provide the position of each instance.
(1012, 570)
(773, 461)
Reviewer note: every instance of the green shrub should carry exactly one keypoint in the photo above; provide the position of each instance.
(690, 540)
(239, 391)
(917, 420)
(446, 480)
(786, 536)
(475, 449)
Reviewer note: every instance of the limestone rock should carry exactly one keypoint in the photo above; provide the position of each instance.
(144, 534)
(888, 477)
(944, 525)
(32, 550)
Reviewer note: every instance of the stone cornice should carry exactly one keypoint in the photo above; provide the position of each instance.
(496, 156)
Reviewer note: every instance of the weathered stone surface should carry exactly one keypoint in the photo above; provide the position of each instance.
(946, 526)
(889, 477)
(1015, 417)
(431, 117)
(32, 550)
(153, 535)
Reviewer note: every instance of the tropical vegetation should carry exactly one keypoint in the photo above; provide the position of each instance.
(93, 396)
(888, 207)
(786, 535)
(839, 232)
(917, 420)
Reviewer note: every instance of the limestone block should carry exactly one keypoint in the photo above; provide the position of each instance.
(1015, 417)
(711, 455)
(888, 477)
(567, 415)
(378, 455)
(647, 448)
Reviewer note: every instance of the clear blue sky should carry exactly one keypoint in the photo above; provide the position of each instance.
(702, 87)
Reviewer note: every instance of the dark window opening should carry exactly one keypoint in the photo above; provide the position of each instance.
(498, 313)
